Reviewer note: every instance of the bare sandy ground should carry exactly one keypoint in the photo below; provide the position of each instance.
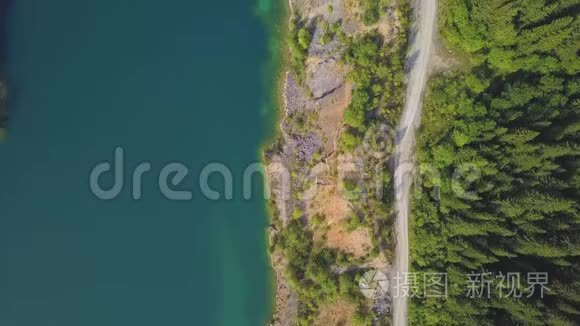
(331, 116)
(330, 203)
(339, 313)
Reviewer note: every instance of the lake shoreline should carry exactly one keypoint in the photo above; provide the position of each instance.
(276, 21)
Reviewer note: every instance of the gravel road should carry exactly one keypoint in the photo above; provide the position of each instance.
(418, 62)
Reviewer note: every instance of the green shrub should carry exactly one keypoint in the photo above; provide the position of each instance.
(371, 16)
(351, 189)
(304, 38)
(318, 219)
(330, 9)
(350, 141)
(297, 213)
(353, 223)
(325, 38)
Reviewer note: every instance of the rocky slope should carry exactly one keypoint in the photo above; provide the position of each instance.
(307, 165)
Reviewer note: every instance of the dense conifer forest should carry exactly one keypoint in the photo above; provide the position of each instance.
(502, 129)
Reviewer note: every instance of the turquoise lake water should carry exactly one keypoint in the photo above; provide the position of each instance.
(168, 81)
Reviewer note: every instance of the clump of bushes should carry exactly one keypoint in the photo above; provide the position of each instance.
(309, 273)
(299, 38)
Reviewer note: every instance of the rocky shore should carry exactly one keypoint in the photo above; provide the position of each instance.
(306, 165)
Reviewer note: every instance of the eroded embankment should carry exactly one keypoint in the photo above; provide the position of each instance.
(325, 232)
